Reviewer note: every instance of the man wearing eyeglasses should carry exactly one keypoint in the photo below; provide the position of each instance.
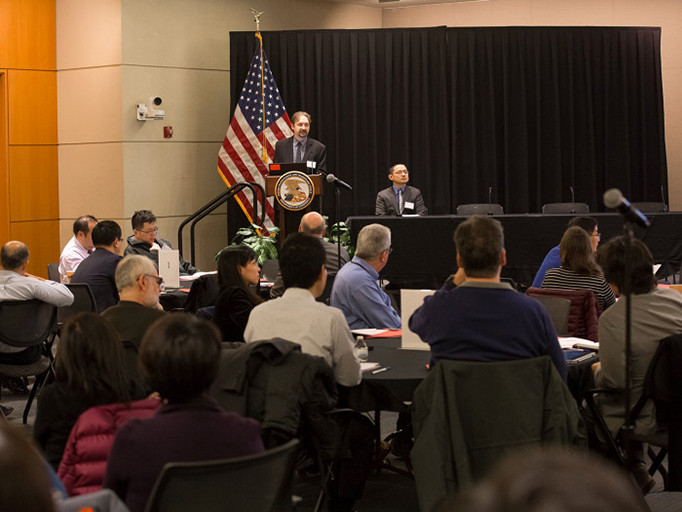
(356, 291)
(400, 198)
(144, 241)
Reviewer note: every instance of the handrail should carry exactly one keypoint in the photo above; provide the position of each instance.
(215, 203)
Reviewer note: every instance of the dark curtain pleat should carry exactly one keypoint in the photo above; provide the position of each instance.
(528, 111)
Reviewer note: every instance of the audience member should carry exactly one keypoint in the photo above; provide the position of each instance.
(98, 269)
(24, 477)
(237, 272)
(579, 269)
(313, 224)
(79, 247)
(550, 479)
(179, 359)
(89, 369)
(17, 284)
(656, 314)
(553, 258)
(400, 198)
(144, 241)
(296, 316)
(139, 287)
(483, 319)
(356, 291)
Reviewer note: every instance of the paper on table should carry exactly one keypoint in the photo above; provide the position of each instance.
(368, 332)
(365, 367)
(571, 341)
(196, 276)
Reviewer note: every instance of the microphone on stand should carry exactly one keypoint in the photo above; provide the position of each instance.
(490, 200)
(572, 199)
(613, 198)
(333, 179)
(665, 206)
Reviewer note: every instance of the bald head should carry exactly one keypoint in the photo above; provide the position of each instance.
(13, 256)
(312, 223)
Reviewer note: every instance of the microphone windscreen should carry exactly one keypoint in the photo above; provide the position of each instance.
(613, 198)
(330, 178)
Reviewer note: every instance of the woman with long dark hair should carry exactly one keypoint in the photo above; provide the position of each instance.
(238, 271)
(579, 269)
(90, 371)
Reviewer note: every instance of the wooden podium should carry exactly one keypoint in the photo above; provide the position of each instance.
(287, 220)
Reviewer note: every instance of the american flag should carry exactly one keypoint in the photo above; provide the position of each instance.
(259, 121)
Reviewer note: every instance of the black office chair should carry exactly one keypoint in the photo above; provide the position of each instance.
(53, 272)
(270, 269)
(83, 301)
(651, 207)
(558, 309)
(327, 292)
(566, 208)
(662, 387)
(480, 209)
(257, 483)
(26, 324)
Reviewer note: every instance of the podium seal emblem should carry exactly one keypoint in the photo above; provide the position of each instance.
(294, 191)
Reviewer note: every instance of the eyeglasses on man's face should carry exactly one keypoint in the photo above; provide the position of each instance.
(158, 279)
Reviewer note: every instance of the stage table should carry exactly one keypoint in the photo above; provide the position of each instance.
(424, 252)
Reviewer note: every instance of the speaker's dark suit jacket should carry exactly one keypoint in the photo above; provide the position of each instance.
(314, 150)
(387, 204)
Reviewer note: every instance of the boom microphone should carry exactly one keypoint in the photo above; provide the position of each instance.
(333, 179)
(613, 198)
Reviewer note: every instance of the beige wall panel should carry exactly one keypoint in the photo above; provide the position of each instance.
(666, 14)
(170, 178)
(426, 16)
(32, 107)
(88, 33)
(195, 101)
(33, 183)
(574, 12)
(89, 105)
(27, 34)
(465, 14)
(42, 240)
(196, 34)
(672, 91)
(91, 180)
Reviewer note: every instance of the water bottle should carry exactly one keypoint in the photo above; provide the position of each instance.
(361, 350)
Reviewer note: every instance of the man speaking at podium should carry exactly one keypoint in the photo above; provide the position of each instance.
(300, 147)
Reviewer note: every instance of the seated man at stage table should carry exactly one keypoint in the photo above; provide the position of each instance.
(300, 147)
(400, 198)
(483, 319)
(656, 314)
(144, 241)
(313, 224)
(356, 291)
(553, 258)
(79, 247)
(99, 269)
(296, 316)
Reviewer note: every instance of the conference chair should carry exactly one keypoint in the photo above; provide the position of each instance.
(327, 292)
(558, 309)
(83, 302)
(583, 315)
(257, 483)
(651, 207)
(467, 415)
(26, 324)
(480, 209)
(662, 387)
(53, 272)
(567, 208)
(270, 269)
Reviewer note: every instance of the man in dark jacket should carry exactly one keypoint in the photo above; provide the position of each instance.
(145, 242)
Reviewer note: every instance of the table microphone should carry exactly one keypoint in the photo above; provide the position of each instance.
(665, 205)
(490, 200)
(572, 199)
(613, 198)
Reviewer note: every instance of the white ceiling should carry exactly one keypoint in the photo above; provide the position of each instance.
(389, 4)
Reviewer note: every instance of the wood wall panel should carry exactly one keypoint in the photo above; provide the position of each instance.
(28, 37)
(33, 183)
(32, 107)
(42, 240)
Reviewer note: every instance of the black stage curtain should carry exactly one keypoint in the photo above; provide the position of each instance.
(528, 111)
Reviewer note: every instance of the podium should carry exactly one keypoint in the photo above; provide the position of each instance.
(288, 220)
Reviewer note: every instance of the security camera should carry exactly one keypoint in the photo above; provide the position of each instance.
(155, 101)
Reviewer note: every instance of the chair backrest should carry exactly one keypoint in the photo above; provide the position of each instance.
(467, 415)
(53, 272)
(204, 292)
(26, 323)
(583, 315)
(558, 309)
(480, 209)
(270, 269)
(83, 301)
(651, 207)
(257, 483)
(327, 292)
(569, 208)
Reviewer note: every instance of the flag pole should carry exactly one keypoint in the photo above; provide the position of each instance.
(256, 18)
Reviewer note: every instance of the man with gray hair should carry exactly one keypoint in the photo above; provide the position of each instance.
(139, 287)
(356, 290)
